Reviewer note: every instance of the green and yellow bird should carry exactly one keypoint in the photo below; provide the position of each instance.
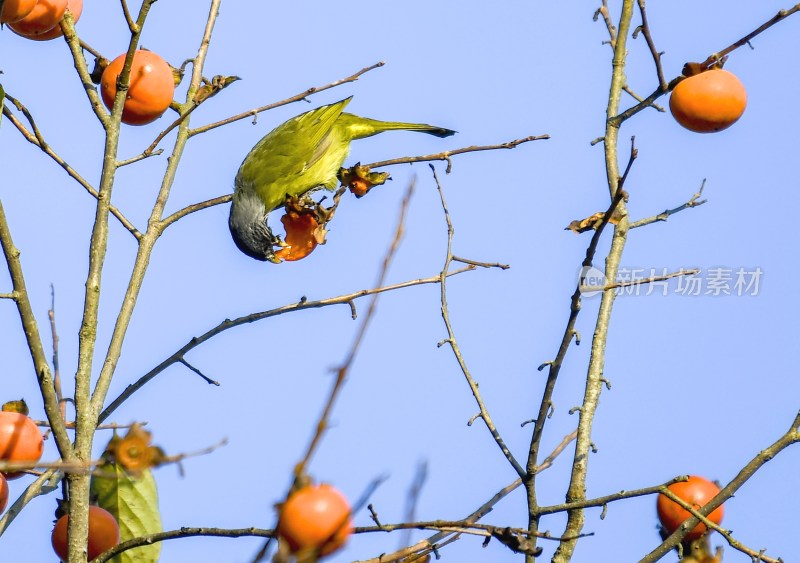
(303, 154)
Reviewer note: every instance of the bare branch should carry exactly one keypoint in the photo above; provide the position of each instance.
(645, 28)
(638, 98)
(194, 208)
(132, 25)
(712, 59)
(44, 484)
(35, 138)
(612, 30)
(594, 374)
(440, 539)
(791, 437)
(33, 338)
(447, 154)
(451, 338)
(296, 98)
(694, 201)
(154, 229)
(228, 324)
(184, 532)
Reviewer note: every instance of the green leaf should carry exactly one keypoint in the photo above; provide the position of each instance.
(133, 500)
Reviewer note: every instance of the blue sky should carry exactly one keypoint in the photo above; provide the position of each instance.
(699, 384)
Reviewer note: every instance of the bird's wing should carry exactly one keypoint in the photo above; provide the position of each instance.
(283, 161)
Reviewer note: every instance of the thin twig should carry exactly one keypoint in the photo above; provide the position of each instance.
(183, 532)
(132, 25)
(447, 154)
(612, 30)
(35, 137)
(86, 47)
(33, 338)
(632, 157)
(138, 157)
(645, 28)
(51, 314)
(194, 208)
(455, 526)
(412, 499)
(638, 98)
(694, 201)
(546, 403)
(344, 368)
(95, 466)
(781, 15)
(198, 372)
(439, 539)
(44, 484)
(209, 89)
(755, 556)
(296, 98)
(108, 426)
(451, 338)
(228, 324)
(485, 530)
(481, 264)
(604, 500)
(405, 160)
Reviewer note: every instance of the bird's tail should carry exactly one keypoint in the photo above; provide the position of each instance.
(360, 127)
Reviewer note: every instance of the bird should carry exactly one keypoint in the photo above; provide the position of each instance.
(299, 156)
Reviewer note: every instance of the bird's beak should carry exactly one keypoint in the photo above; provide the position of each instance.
(276, 241)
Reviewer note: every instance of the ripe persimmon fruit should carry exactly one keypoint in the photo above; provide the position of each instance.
(707, 102)
(315, 518)
(3, 493)
(20, 440)
(103, 533)
(697, 491)
(300, 239)
(74, 6)
(151, 88)
(15, 10)
(42, 18)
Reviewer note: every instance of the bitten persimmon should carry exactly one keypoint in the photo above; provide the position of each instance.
(697, 491)
(74, 6)
(15, 10)
(103, 533)
(3, 493)
(315, 517)
(300, 237)
(45, 16)
(20, 440)
(152, 86)
(709, 101)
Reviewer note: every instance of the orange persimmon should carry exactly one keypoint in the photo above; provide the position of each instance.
(707, 102)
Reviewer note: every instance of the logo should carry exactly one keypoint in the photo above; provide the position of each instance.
(591, 281)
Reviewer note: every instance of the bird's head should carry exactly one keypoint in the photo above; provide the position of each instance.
(248, 225)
